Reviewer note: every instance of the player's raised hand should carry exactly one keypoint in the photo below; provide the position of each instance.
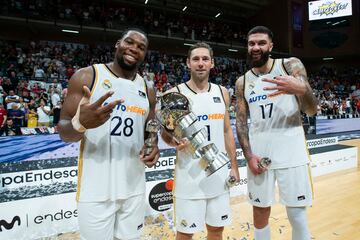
(95, 114)
(285, 85)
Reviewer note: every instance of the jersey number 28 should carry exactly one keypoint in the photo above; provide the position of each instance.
(126, 129)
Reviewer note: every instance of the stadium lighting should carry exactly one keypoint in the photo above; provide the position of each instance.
(184, 8)
(217, 15)
(233, 50)
(188, 44)
(146, 1)
(328, 58)
(70, 31)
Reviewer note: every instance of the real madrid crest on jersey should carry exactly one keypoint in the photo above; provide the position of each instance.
(106, 84)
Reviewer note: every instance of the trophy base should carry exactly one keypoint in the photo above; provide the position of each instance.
(219, 162)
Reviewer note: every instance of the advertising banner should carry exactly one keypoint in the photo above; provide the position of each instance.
(38, 181)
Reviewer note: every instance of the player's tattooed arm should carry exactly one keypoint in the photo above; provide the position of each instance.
(242, 129)
(307, 100)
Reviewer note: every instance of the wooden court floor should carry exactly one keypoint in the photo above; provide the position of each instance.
(335, 214)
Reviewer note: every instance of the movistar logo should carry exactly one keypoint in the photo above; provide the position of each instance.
(10, 225)
(257, 98)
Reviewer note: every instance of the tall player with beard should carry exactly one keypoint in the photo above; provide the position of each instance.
(274, 92)
(107, 107)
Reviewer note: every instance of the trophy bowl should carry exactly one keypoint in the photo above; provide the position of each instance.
(173, 106)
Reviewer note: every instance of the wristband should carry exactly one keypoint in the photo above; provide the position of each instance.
(77, 125)
(75, 121)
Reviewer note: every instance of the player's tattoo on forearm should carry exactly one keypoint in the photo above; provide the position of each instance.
(242, 129)
(308, 101)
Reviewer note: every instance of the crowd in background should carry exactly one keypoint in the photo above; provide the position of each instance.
(34, 77)
(116, 15)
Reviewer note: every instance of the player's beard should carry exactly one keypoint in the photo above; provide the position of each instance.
(258, 63)
(120, 60)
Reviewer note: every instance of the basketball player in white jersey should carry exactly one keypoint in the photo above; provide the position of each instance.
(199, 199)
(274, 92)
(107, 107)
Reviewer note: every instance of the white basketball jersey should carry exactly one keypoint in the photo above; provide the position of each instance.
(191, 181)
(109, 162)
(275, 129)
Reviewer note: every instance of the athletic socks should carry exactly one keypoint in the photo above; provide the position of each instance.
(263, 233)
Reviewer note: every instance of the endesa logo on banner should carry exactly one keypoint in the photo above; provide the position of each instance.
(37, 177)
(60, 215)
(164, 163)
(324, 9)
(322, 142)
(161, 197)
(38, 217)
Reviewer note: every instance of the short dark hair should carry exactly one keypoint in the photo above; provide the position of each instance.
(261, 29)
(126, 31)
(201, 45)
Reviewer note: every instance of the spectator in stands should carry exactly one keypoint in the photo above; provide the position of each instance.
(11, 99)
(3, 116)
(43, 113)
(348, 106)
(356, 93)
(32, 104)
(358, 106)
(163, 78)
(2, 94)
(36, 89)
(7, 85)
(57, 85)
(44, 96)
(32, 118)
(22, 105)
(16, 115)
(56, 112)
(55, 97)
(39, 72)
(10, 129)
(26, 97)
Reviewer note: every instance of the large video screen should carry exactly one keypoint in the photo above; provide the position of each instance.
(324, 9)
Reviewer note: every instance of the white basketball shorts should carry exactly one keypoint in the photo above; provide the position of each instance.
(295, 187)
(192, 214)
(123, 219)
